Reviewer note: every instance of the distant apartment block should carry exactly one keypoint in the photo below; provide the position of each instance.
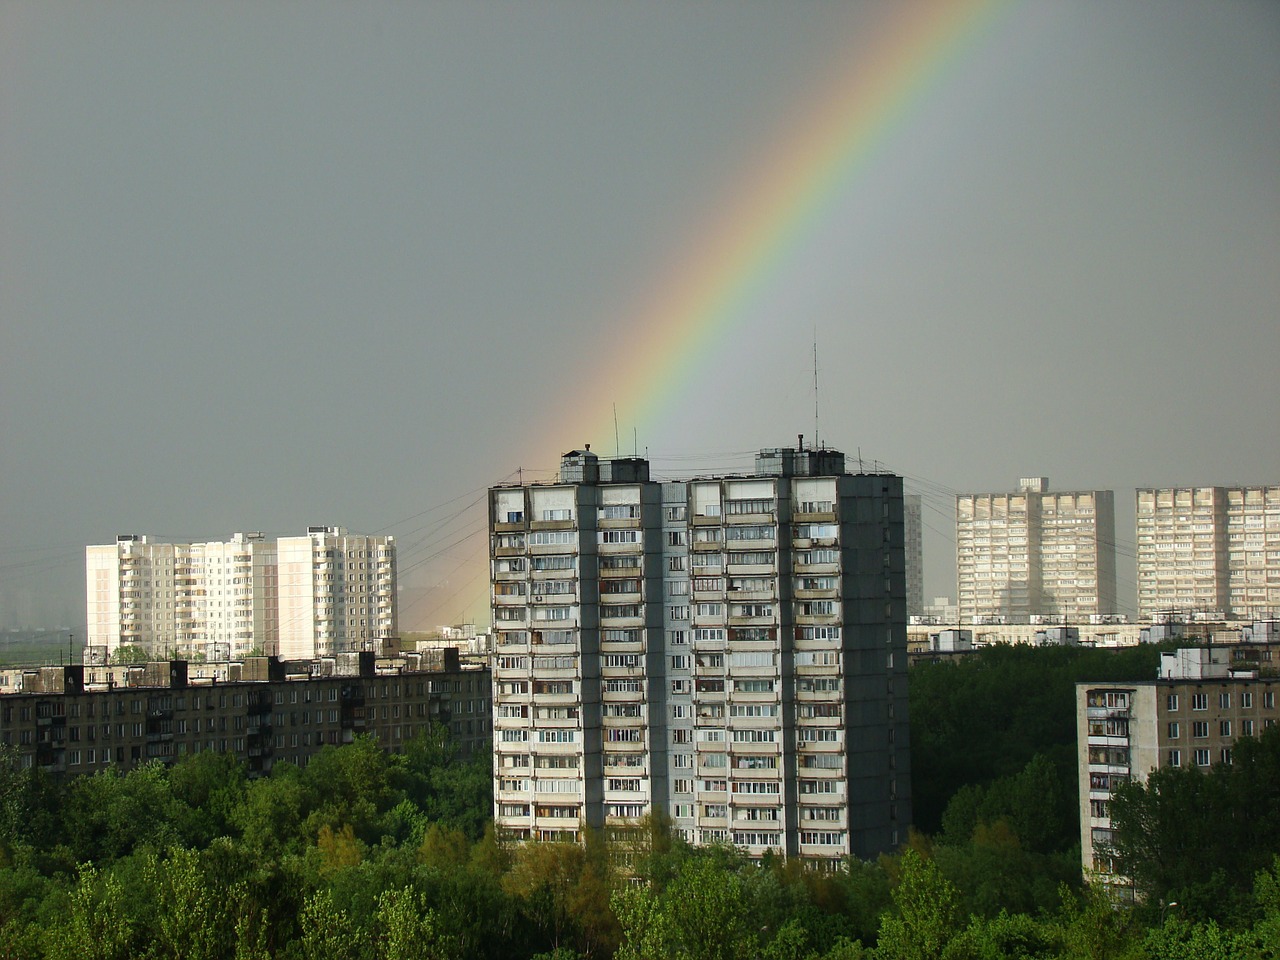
(337, 593)
(729, 650)
(298, 597)
(1209, 550)
(1191, 715)
(75, 720)
(1033, 553)
(913, 547)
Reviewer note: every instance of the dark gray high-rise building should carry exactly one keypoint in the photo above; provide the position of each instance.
(730, 650)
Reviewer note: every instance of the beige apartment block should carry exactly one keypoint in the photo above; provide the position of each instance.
(1033, 553)
(1209, 551)
(729, 650)
(1191, 715)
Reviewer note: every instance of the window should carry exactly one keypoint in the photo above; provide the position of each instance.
(1224, 701)
(552, 613)
(620, 660)
(553, 561)
(749, 532)
(1224, 728)
(756, 786)
(1199, 701)
(620, 511)
(1173, 729)
(822, 838)
(1171, 702)
(819, 735)
(542, 538)
(558, 736)
(618, 536)
(819, 786)
(1246, 728)
(819, 633)
(1246, 701)
(1175, 758)
(738, 507)
(1268, 700)
(1202, 758)
(1200, 729)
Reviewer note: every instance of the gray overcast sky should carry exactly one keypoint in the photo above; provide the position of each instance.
(264, 265)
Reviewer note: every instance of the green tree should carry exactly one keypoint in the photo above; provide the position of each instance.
(1201, 838)
(927, 913)
(328, 932)
(109, 814)
(98, 924)
(129, 653)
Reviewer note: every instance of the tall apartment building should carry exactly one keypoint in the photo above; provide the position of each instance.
(337, 593)
(728, 650)
(298, 597)
(1192, 714)
(1035, 553)
(913, 549)
(215, 599)
(1209, 550)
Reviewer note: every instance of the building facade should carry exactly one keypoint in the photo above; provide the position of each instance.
(224, 599)
(1191, 715)
(728, 650)
(1209, 550)
(1035, 553)
(215, 599)
(913, 549)
(337, 593)
(80, 719)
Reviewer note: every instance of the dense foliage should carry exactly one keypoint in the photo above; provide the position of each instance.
(1198, 838)
(365, 855)
(983, 718)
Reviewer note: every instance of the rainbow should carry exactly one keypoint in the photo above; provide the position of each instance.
(778, 204)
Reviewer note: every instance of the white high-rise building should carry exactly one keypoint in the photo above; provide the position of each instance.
(728, 650)
(223, 599)
(1034, 553)
(1213, 551)
(337, 593)
(214, 599)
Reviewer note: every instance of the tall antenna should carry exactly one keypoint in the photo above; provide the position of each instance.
(815, 385)
(617, 445)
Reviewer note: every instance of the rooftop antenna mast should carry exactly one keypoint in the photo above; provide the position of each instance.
(815, 385)
(617, 444)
